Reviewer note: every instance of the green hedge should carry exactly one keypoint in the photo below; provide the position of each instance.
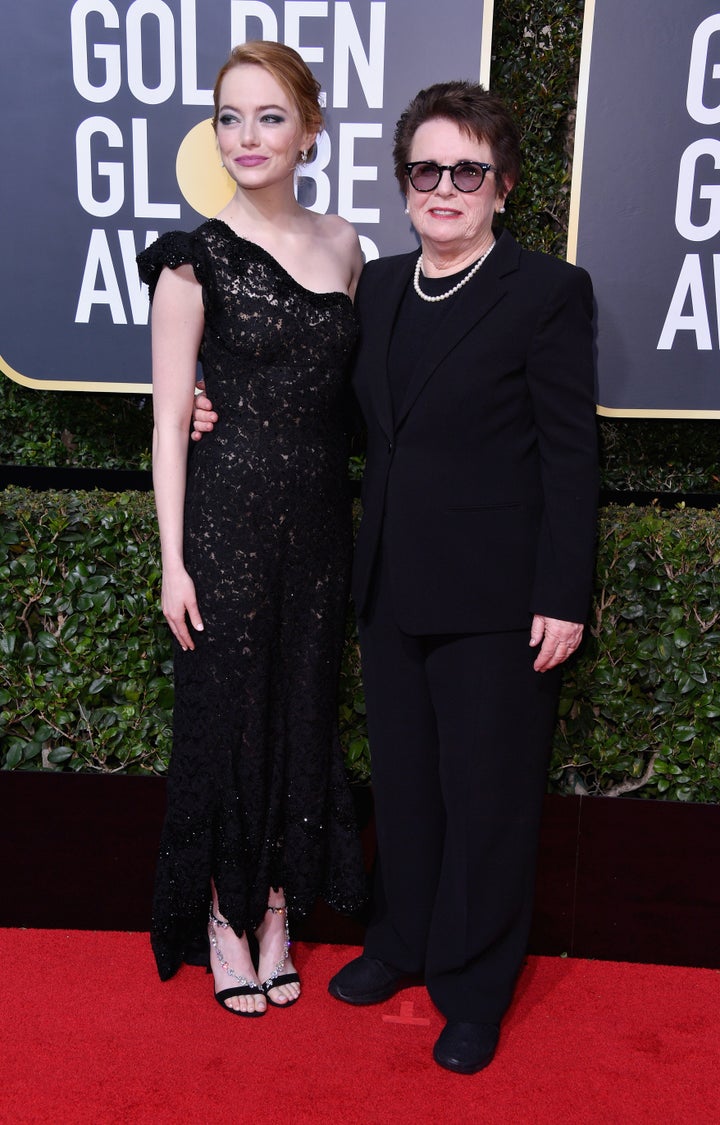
(85, 673)
(640, 708)
(84, 656)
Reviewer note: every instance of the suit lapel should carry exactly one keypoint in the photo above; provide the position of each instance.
(469, 306)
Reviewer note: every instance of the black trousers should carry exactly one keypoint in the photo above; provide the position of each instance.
(460, 729)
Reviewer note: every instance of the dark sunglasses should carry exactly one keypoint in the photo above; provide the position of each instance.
(466, 175)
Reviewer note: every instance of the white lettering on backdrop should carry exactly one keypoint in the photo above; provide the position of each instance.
(136, 54)
(695, 303)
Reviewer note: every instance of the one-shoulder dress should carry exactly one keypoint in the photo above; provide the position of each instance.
(257, 792)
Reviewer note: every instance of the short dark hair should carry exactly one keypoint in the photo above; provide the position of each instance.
(476, 112)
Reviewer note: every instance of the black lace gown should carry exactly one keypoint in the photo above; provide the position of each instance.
(257, 795)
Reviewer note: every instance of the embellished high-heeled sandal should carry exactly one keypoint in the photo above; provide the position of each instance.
(277, 978)
(244, 987)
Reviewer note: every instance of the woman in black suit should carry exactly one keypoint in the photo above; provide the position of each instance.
(473, 565)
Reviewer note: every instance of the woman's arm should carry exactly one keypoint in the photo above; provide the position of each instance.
(561, 380)
(177, 326)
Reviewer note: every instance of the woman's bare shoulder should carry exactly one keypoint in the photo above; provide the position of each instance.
(335, 229)
(339, 239)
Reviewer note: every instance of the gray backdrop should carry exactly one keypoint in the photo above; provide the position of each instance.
(97, 97)
(647, 202)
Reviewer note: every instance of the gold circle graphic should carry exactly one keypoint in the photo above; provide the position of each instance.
(203, 181)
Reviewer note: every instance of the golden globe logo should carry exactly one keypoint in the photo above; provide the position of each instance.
(201, 177)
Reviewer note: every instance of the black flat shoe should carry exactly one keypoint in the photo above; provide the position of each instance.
(368, 981)
(466, 1048)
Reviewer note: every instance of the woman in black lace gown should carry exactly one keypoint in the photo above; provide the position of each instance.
(256, 540)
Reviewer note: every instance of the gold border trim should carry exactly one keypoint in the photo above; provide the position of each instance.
(580, 125)
(638, 412)
(71, 384)
(486, 42)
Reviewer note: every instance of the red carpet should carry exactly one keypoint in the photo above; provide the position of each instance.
(90, 1035)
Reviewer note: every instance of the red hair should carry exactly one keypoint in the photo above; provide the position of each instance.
(289, 71)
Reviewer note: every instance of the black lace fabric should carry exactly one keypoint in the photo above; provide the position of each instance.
(257, 793)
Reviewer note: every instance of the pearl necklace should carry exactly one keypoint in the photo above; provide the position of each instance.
(444, 296)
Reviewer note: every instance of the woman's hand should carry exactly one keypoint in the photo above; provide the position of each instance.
(204, 417)
(180, 603)
(559, 640)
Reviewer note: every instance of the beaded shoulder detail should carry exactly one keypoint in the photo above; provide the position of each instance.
(172, 249)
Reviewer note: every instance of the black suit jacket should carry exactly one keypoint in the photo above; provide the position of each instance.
(484, 487)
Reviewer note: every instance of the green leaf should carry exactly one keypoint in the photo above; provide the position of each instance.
(60, 754)
(13, 757)
(682, 638)
(99, 685)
